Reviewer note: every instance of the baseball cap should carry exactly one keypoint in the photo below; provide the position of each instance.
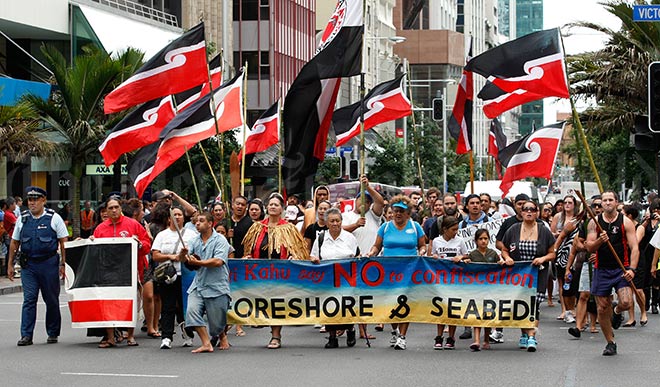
(159, 195)
(521, 196)
(400, 205)
(35, 191)
(366, 194)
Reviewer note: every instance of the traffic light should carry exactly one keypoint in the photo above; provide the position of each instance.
(438, 109)
(654, 97)
(342, 166)
(353, 169)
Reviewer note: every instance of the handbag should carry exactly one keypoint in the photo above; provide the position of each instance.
(165, 272)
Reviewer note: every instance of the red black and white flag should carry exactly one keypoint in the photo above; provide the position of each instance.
(196, 123)
(385, 102)
(180, 66)
(522, 70)
(496, 142)
(310, 101)
(532, 156)
(143, 125)
(101, 282)
(264, 133)
(460, 121)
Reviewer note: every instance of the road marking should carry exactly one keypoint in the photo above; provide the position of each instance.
(120, 375)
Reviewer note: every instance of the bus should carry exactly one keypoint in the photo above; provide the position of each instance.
(349, 190)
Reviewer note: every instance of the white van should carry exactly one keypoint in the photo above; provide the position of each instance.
(492, 187)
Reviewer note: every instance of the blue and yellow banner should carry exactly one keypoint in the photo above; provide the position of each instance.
(382, 290)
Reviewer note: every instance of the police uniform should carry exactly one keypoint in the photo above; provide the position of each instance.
(39, 241)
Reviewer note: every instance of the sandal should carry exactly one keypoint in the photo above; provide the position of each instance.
(107, 344)
(240, 333)
(154, 335)
(379, 327)
(369, 336)
(132, 343)
(275, 343)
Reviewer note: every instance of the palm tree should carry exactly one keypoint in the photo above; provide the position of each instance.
(616, 76)
(18, 137)
(75, 111)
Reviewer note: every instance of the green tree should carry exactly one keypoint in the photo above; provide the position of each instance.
(75, 110)
(18, 137)
(392, 164)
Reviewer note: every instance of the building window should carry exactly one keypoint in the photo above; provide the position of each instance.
(264, 10)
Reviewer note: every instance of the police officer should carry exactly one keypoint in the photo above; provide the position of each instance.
(39, 232)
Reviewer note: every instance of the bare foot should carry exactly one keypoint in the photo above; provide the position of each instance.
(223, 344)
(203, 348)
(485, 345)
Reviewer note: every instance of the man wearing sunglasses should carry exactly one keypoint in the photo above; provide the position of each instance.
(39, 232)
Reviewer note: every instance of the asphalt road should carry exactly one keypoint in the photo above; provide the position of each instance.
(302, 361)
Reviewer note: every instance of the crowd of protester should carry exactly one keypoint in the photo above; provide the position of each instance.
(569, 249)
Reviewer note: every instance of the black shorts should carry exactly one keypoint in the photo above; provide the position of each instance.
(575, 281)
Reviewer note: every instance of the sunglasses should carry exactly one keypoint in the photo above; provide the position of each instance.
(529, 209)
(547, 210)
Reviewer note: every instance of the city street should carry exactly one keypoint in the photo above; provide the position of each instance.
(302, 361)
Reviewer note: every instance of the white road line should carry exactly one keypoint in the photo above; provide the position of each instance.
(121, 375)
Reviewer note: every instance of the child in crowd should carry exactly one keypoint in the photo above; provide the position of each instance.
(448, 246)
(482, 254)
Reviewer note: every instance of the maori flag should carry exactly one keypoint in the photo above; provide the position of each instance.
(532, 156)
(101, 282)
(310, 101)
(264, 133)
(179, 66)
(142, 126)
(496, 142)
(385, 102)
(460, 121)
(522, 70)
(196, 123)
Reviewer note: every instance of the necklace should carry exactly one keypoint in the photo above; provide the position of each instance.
(528, 232)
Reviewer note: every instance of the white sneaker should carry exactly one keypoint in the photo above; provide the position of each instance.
(569, 318)
(166, 343)
(394, 338)
(496, 337)
(400, 343)
(317, 326)
(187, 342)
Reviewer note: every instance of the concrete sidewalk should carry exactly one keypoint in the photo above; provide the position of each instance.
(8, 287)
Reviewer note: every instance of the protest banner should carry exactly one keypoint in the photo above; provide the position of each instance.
(467, 233)
(383, 290)
(101, 282)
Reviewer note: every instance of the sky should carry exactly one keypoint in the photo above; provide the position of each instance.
(557, 13)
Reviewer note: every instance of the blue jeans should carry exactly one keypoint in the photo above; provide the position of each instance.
(44, 276)
(215, 309)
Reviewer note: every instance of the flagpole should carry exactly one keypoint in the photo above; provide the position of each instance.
(199, 201)
(472, 171)
(220, 136)
(245, 70)
(362, 156)
(280, 130)
(192, 173)
(208, 163)
(577, 123)
(412, 116)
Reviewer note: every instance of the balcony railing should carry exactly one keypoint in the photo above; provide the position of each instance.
(142, 10)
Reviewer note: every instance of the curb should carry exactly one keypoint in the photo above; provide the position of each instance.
(11, 289)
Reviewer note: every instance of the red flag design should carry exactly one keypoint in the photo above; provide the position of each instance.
(264, 133)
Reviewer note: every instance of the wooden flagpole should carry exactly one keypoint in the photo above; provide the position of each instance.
(472, 171)
(245, 70)
(208, 163)
(576, 121)
(280, 137)
(192, 173)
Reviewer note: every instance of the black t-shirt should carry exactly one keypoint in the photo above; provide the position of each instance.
(313, 231)
(240, 229)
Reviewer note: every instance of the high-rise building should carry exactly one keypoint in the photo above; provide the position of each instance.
(529, 18)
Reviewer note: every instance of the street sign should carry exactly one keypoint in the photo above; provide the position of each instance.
(646, 13)
(346, 149)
